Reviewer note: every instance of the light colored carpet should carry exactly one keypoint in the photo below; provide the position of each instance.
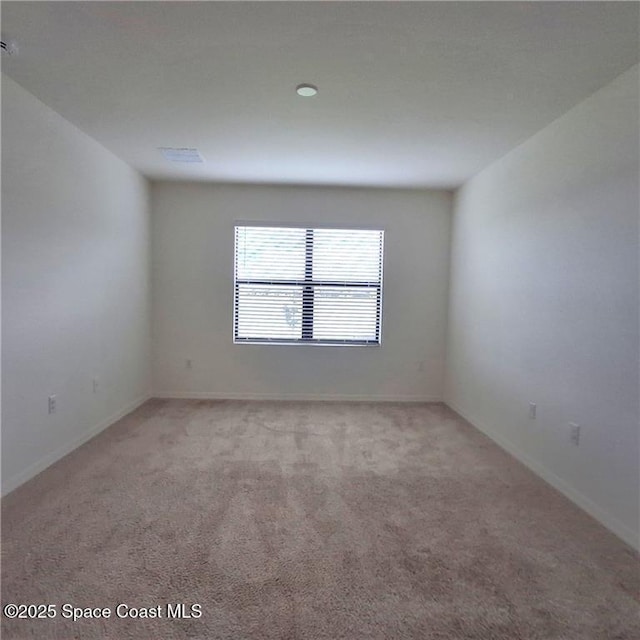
(310, 521)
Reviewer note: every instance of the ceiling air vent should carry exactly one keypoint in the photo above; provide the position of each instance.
(181, 155)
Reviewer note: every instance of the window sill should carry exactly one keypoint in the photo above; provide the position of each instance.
(310, 343)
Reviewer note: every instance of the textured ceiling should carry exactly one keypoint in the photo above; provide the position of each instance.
(411, 94)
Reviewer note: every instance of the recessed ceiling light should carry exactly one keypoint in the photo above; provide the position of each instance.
(306, 90)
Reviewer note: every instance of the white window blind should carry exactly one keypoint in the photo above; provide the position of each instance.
(308, 285)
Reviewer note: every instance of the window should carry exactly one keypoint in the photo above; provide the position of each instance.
(308, 286)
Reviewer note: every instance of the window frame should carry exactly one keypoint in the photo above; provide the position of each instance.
(307, 285)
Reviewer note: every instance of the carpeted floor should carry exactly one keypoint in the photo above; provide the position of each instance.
(310, 521)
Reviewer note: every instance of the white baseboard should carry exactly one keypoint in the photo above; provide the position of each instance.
(332, 397)
(612, 523)
(20, 478)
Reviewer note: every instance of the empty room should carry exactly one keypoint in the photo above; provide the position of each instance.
(320, 320)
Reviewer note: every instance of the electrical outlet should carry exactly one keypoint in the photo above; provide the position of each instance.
(96, 385)
(532, 410)
(52, 404)
(574, 433)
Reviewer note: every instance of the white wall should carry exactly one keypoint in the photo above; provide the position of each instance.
(192, 227)
(75, 285)
(544, 303)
